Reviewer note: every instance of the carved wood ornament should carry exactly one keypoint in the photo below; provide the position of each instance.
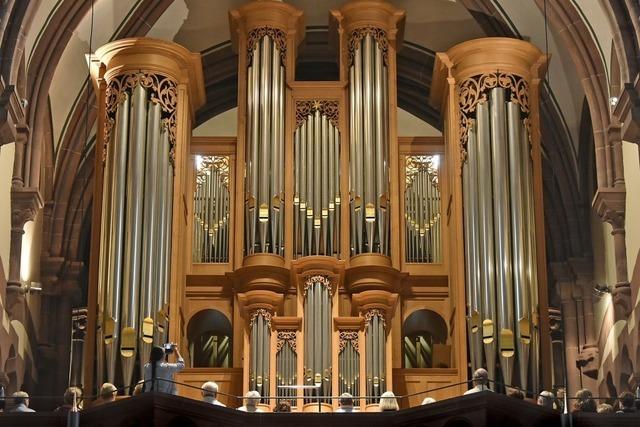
(330, 109)
(378, 34)
(278, 36)
(286, 336)
(473, 90)
(163, 91)
(323, 280)
(349, 336)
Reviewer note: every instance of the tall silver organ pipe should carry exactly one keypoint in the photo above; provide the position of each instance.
(369, 145)
(501, 287)
(317, 186)
(136, 238)
(375, 342)
(264, 201)
(422, 209)
(211, 210)
(260, 326)
(317, 323)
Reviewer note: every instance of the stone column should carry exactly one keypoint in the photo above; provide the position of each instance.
(566, 288)
(609, 204)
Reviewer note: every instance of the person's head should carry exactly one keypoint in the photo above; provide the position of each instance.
(20, 398)
(346, 400)
(428, 400)
(282, 406)
(627, 401)
(388, 402)
(480, 377)
(210, 390)
(252, 398)
(605, 408)
(108, 392)
(71, 394)
(157, 353)
(546, 398)
(515, 393)
(584, 401)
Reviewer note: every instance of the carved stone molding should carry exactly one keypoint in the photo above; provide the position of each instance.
(627, 111)
(327, 108)
(278, 37)
(163, 91)
(378, 34)
(25, 203)
(286, 336)
(473, 90)
(609, 204)
(621, 294)
(11, 113)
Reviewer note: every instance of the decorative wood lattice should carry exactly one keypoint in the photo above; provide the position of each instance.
(378, 34)
(261, 312)
(330, 109)
(277, 35)
(374, 312)
(473, 90)
(286, 336)
(163, 90)
(349, 336)
(323, 280)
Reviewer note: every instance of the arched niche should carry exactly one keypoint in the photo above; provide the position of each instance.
(209, 333)
(424, 336)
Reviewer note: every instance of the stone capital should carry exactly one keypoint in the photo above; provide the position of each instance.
(621, 294)
(609, 204)
(627, 111)
(25, 203)
(11, 113)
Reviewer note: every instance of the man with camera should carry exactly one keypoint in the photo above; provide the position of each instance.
(159, 374)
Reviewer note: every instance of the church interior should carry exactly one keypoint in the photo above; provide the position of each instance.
(309, 199)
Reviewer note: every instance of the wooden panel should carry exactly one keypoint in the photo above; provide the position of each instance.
(409, 381)
(229, 381)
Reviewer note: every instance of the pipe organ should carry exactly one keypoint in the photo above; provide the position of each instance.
(211, 201)
(493, 116)
(316, 232)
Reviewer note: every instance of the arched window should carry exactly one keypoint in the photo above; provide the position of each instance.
(209, 333)
(423, 331)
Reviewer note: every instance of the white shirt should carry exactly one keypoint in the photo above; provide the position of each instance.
(21, 407)
(164, 371)
(478, 389)
(346, 409)
(213, 401)
(250, 409)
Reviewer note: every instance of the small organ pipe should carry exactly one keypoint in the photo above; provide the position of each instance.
(274, 201)
(356, 122)
(310, 195)
(378, 89)
(255, 140)
(368, 136)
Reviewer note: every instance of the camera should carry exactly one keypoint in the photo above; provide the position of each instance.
(169, 347)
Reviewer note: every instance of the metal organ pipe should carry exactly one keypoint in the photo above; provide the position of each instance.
(368, 94)
(264, 208)
(499, 227)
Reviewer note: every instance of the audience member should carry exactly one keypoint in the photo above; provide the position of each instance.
(108, 394)
(161, 372)
(210, 393)
(605, 408)
(627, 403)
(515, 393)
(584, 402)
(72, 396)
(252, 398)
(428, 400)
(480, 381)
(21, 402)
(346, 403)
(546, 399)
(282, 406)
(388, 402)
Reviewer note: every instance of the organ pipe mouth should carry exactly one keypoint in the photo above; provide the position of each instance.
(263, 213)
(507, 347)
(487, 331)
